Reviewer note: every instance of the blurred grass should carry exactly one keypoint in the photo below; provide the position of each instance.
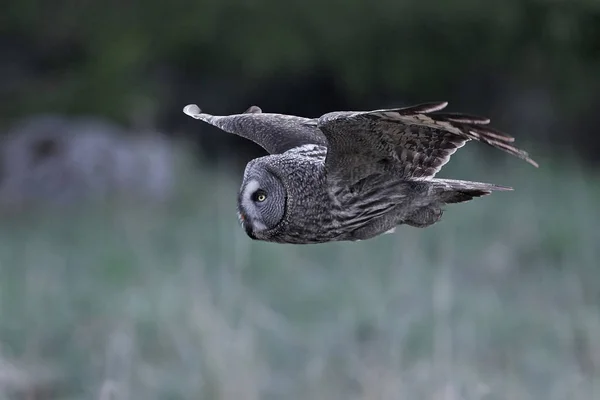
(500, 300)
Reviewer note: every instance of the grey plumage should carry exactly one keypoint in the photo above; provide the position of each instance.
(353, 175)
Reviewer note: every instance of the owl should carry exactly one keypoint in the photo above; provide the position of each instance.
(349, 176)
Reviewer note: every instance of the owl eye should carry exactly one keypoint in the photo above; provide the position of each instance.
(259, 196)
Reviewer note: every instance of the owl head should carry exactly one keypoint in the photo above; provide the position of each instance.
(262, 199)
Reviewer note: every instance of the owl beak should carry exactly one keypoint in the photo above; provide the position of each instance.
(247, 227)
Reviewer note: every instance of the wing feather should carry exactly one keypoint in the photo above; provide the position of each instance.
(462, 118)
(423, 108)
(276, 133)
(417, 140)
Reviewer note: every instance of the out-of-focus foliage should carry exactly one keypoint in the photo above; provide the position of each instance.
(132, 59)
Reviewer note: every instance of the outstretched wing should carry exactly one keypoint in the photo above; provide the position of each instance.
(276, 133)
(414, 142)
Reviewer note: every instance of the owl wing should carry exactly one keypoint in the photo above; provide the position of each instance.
(276, 133)
(414, 142)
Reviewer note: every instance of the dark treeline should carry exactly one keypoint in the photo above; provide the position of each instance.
(531, 65)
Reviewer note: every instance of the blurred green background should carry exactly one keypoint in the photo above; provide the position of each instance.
(124, 273)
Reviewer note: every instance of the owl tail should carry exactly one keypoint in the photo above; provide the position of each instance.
(455, 191)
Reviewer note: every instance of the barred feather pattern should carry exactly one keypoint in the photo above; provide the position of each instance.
(308, 217)
(416, 141)
(317, 212)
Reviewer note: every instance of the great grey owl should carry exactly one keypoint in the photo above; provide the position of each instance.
(348, 176)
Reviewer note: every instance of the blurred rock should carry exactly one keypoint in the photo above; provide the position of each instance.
(55, 159)
(38, 382)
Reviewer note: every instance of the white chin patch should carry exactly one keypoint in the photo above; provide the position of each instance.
(258, 226)
(250, 208)
(390, 231)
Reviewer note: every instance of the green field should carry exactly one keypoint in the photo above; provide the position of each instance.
(499, 300)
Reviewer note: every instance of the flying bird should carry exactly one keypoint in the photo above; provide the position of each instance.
(352, 175)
